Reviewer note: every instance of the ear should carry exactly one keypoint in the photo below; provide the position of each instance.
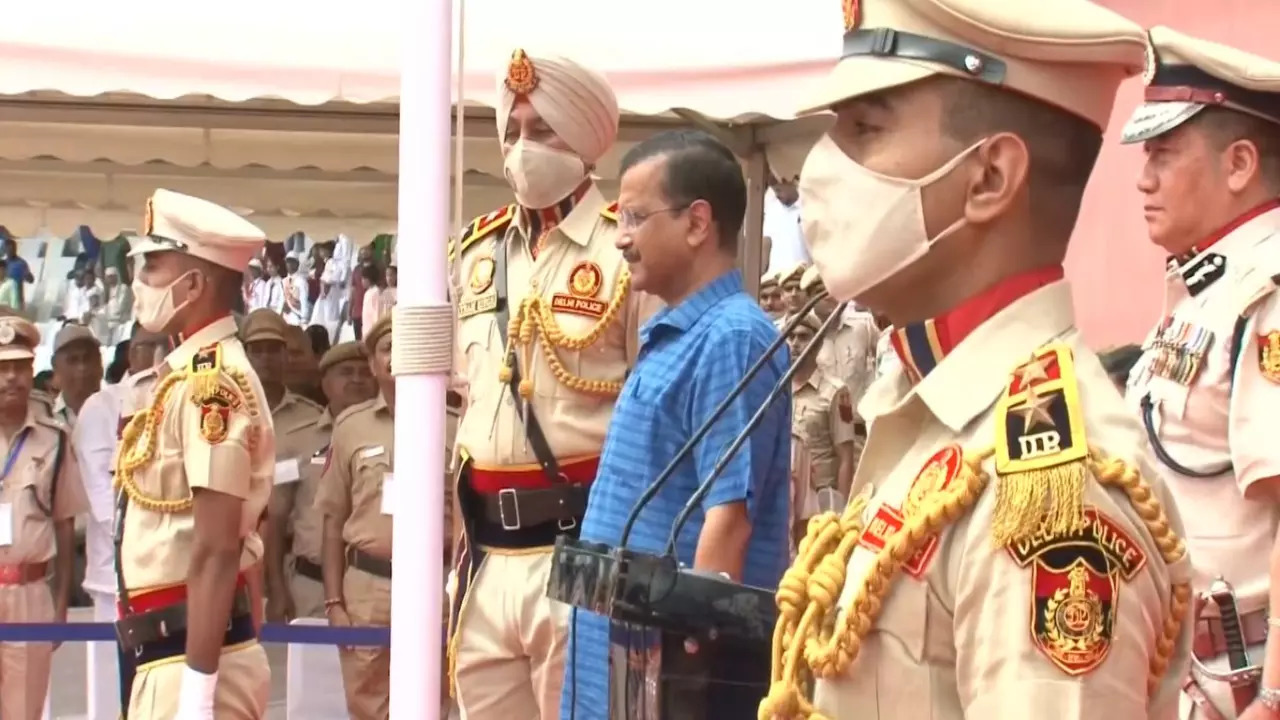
(1241, 164)
(996, 178)
(701, 225)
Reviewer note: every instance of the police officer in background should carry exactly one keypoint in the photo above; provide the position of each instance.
(40, 494)
(848, 351)
(1016, 556)
(294, 535)
(356, 540)
(194, 470)
(1208, 384)
(771, 295)
(547, 330)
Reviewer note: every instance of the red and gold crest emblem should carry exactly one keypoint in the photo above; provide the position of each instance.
(585, 280)
(1269, 355)
(938, 473)
(852, 14)
(522, 79)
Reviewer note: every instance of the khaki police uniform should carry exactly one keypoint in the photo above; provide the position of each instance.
(577, 295)
(359, 462)
(39, 486)
(572, 321)
(789, 289)
(1208, 381)
(771, 295)
(205, 425)
(299, 435)
(847, 353)
(1016, 556)
(822, 424)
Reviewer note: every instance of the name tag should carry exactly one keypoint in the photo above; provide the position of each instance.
(318, 460)
(287, 471)
(374, 451)
(388, 494)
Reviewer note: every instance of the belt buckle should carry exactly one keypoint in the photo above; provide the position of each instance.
(510, 518)
(567, 524)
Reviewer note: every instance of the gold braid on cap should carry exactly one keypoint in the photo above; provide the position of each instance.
(149, 218)
(522, 79)
(534, 319)
(139, 439)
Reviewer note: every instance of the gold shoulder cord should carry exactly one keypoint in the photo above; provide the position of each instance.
(534, 319)
(810, 588)
(138, 441)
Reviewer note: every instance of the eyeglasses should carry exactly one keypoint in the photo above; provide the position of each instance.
(630, 220)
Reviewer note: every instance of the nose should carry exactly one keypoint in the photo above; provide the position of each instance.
(1146, 181)
(623, 241)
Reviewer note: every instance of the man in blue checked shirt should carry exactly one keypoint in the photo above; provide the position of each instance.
(681, 203)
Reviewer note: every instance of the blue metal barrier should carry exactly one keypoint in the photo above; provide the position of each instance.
(271, 633)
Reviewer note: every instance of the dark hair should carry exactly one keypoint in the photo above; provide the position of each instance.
(1119, 362)
(699, 167)
(1063, 147)
(42, 380)
(119, 363)
(1225, 126)
(320, 342)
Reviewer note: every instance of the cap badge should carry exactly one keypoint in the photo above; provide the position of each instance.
(585, 280)
(852, 14)
(521, 76)
(148, 218)
(7, 334)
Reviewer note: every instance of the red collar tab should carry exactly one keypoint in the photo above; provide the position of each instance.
(1226, 230)
(184, 336)
(922, 345)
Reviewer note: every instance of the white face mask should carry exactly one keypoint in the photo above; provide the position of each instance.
(154, 307)
(541, 176)
(862, 228)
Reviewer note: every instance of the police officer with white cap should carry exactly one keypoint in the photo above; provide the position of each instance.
(194, 472)
(1012, 554)
(1207, 386)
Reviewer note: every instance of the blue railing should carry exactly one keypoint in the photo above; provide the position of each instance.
(271, 633)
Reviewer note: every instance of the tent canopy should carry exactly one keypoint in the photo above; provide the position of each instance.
(290, 115)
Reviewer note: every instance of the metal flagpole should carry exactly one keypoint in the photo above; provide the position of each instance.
(421, 358)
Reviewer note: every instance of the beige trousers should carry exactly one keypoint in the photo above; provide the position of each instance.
(24, 667)
(511, 642)
(244, 685)
(366, 671)
(308, 596)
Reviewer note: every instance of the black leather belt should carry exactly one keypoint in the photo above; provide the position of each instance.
(516, 509)
(308, 569)
(239, 631)
(860, 429)
(372, 564)
(154, 628)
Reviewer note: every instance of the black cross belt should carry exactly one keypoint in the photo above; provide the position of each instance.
(239, 630)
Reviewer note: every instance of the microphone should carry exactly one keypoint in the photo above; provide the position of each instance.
(687, 449)
(723, 463)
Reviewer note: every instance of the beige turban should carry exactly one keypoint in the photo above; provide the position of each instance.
(576, 102)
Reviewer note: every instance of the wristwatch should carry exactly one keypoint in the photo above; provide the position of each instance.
(1270, 699)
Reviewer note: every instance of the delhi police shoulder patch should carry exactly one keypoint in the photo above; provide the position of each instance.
(211, 395)
(1041, 449)
(1269, 355)
(1075, 589)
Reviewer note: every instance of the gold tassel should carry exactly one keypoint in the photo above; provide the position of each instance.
(1048, 500)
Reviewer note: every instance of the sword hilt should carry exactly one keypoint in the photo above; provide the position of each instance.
(1224, 596)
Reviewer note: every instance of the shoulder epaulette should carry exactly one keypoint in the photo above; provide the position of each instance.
(610, 212)
(308, 402)
(480, 228)
(1041, 449)
(52, 421)
(207, 359)
(366, 405)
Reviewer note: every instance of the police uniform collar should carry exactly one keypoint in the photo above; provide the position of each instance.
(286, 399)
(210, 334)
(577, 222)
(1199, 268)
(325, 421)
(921, 346)
(380, 404)
(976, 371)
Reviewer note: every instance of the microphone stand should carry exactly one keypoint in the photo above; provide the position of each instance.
(723, 463)
(687, 449)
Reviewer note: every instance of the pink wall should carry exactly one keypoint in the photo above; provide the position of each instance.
(1115, 271)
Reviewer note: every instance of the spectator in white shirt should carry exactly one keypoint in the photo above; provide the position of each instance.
(297, 304)
(94, 438)
(783, 238)
(84, 297)
(275, 277)
(330, 308)
(112, 323)
(257, 295)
